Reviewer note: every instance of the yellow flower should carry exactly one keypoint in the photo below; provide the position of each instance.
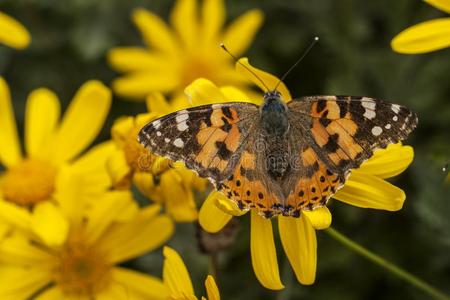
(178, 281)
(66, 252)
(189, 50)
(53, 146)
(159, 180)
(364, 188)
(12, 33)
(426, 36)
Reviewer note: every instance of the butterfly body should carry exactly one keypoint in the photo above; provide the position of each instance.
(279, 158)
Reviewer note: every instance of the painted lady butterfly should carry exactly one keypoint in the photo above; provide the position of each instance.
(279, 158)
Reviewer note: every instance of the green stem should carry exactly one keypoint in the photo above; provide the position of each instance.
(408, 277)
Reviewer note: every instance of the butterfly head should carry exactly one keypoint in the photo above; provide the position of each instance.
(272, 95)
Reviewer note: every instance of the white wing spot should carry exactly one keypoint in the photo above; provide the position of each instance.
(369, 114)
(377, 130)
(182, 126)
(158, 133)
(395, 108)
(178, 143)
(166, 140)
(157, 124)
(395, 118)
(369, 107)
(388, 126)
(368, 104)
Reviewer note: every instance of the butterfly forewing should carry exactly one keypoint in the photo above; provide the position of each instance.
(339, 133)
(205, 138)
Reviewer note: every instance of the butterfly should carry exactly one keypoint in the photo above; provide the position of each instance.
(279, 158)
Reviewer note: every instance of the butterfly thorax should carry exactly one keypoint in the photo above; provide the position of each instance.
(275, 125)
(274, 120)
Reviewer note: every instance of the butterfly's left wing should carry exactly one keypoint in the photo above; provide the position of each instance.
(208, 138)
(339, 133)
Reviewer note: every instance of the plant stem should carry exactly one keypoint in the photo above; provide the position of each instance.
(408, 277)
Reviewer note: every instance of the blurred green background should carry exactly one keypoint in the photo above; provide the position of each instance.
(353, 57)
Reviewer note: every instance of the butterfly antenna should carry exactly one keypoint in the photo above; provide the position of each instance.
(247, 68)
(316, 39)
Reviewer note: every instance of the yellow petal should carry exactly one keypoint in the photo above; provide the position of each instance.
(82, 120)
(125, 59)
(12, 33)
(138, 85)
(424, 37)
(202, 91)
(139, 285)
(230, 207)
(211, 288)
(264, 256)
(105, 210)
(175, 275)
(155, 31)
(41, 119)
(92, 166)
(53, 293)
(14, 215)
(213, 17)
(136, 237)
(389, 162)
(269, 80)
(298, 238)
(368, 191)
(212, 218)
(233, 94)
(320, 218)
(69, 196)
(20, 282)
(157, 103)
(16, 249)
(180, 202)
(185, 21)
(10, 152)
(240, 34)
(49, 224)
(443, 5)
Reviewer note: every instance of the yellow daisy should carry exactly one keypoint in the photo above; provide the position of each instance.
(178, 281)
(12, 33)
(53, 147)
(187, 50)
(67, 252)
(365, 187)
(155, 177)
(426, 36)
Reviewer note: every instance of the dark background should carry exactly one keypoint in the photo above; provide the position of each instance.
(353, 57)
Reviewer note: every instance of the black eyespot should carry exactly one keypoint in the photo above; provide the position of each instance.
(238, 182)
(248, 193)
(301, 193)
(322, 179)
(260, 195)
(313, 189)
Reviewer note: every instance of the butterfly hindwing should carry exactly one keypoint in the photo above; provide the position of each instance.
(205, 137)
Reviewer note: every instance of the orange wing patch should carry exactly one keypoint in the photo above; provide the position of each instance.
(315, 186)
(219, 138)
(247, 189)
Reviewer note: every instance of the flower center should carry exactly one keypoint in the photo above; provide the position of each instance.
(81, 270)
(29, 182)
(196, 67)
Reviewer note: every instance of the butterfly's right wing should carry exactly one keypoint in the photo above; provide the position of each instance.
(208, 138)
